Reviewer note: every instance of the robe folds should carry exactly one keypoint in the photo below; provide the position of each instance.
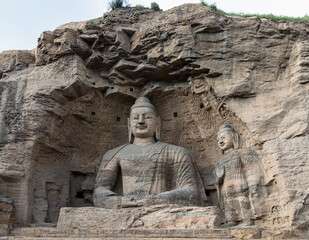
(242, 171)
(161, 170)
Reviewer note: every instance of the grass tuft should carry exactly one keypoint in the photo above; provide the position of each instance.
(139, 7)
(269, 16)
(91, 22)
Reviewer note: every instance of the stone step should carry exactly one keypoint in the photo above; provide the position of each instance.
(85, 238)
(56, 233)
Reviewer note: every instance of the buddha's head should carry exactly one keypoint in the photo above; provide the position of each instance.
(143, 121)
(228, 138)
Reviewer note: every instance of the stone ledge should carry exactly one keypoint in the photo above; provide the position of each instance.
(96, 234)
(90, 238)
(159, 217)
(121, 233)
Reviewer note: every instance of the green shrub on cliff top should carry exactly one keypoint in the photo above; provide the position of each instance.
(271, 16)
(117, 4)
(139, 7)
(155, 6)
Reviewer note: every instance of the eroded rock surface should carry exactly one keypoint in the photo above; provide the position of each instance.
(163, 216)
(66, 105)
(7, 215)
(15, 60)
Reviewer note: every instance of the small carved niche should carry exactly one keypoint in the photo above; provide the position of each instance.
(81, 189)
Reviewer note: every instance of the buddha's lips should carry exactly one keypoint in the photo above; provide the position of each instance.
(141, 127)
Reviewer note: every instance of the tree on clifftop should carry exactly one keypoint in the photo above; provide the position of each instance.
(155, 6)
(117, 4)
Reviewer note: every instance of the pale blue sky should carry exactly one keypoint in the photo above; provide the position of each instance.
(22, 21)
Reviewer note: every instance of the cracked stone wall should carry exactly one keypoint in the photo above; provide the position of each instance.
(64, 104)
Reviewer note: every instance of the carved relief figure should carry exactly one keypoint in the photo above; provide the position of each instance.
(238, 174)
(146, 171)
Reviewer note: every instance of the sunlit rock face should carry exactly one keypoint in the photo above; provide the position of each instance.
(64, 105)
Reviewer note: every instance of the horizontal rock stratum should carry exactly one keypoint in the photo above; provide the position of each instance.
(66, 103)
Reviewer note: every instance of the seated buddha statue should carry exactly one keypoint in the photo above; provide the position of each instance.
(147, 171)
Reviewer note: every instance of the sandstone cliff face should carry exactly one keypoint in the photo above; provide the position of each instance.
(64, 105)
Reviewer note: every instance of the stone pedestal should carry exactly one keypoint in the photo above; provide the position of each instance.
(165, 216)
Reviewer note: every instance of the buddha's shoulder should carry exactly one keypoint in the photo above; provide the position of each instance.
(111, 153)
(172, 147)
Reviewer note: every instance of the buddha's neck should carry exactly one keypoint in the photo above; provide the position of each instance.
(229, 150)
(144, 141)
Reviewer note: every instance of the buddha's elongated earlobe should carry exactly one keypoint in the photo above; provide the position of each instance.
(129, 132)
(236, 140)
(158, 129)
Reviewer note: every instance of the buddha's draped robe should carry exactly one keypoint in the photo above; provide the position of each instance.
(160, 169)
(242, 169)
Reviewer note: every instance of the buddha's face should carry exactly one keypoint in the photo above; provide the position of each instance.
(225, 140)
(143, 122)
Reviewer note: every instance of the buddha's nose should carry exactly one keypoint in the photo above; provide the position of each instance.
(141, 119)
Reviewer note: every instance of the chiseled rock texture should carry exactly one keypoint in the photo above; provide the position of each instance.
(66, 103)
(156, 217)
(7, 215)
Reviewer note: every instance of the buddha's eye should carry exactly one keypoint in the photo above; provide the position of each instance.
(135, 117)
(147, 117)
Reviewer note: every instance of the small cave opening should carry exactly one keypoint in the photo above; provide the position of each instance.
(81, 189)
(212, 197)
(79, 194)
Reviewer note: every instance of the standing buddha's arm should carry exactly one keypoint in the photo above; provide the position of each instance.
(220, 171)
(252, 169)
